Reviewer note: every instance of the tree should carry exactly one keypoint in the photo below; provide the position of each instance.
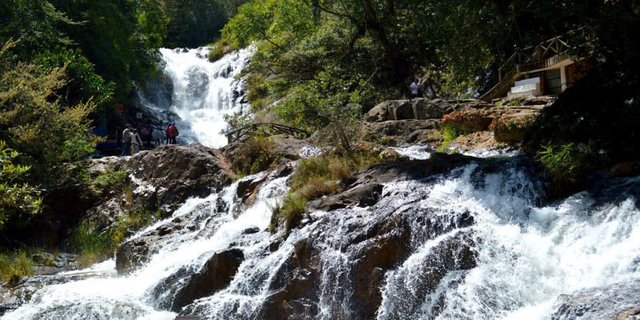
(15, 197)
(33, 122)
(195, 23)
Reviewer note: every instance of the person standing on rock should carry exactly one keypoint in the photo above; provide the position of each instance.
(126, 140)
(414, 89)
(136, 141)
(172, 133)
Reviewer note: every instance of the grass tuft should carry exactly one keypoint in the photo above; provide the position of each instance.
(14, 265)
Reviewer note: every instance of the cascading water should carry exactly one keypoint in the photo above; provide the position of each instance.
(218, 224)
(202, 93)
(473, 243)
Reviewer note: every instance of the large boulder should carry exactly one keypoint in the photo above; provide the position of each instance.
(169, 175)
(419, 109)
(399, 131)
(294, 290)
(185, 286)
(619, 301)
(159, 180)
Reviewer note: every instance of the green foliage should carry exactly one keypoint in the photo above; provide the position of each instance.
(291, 210)
(14, 265)
(219, 49)
(94, 245)
(315, 177)
(34, 123)
(135, 220)
(254, 155)
(449, 134)
(105, 45)
(193, 23)
(565, 165)
(15, 197)
(107, 182)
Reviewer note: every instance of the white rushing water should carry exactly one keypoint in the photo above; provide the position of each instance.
(203, 93)
(527, 256)
(524, 256)
(132, 296)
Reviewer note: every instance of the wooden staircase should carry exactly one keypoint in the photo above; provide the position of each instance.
(540, 56)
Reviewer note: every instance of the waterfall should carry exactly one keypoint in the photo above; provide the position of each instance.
(472, 243)
(133, 296)
(200, 93)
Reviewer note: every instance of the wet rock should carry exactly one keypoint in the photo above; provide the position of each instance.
(624, 169)
(216, 274)
(49, 264)
(135, 252)
(295, 286)
(386, 248)
(247, 189)
(444, 266)
(160, 180)
(168, 175)
(44, 258)
(8, 301)
(132, 254)
(616, 301)
(361, 195)
(404, 111)
(251, 230)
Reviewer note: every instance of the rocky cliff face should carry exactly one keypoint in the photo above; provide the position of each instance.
(161, 180)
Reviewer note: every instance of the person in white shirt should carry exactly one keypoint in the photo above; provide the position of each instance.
(414, 89)
(136, 141)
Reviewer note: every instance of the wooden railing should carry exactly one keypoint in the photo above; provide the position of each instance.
(265, 128)
(540, 56)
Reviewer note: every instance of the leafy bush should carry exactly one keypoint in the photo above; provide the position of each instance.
(90, 244)
(15, 197)
(291, 210)
(565, 165)
(219, 49)
(135, 220)
(14, 265)
(107, 182)
(34, 123)
(95, 245)
(449, 134)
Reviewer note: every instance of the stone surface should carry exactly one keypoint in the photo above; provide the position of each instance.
(396, 122)
(619, 301)
(400, 131)
(216, 274)
(374, 241)
(419, 109)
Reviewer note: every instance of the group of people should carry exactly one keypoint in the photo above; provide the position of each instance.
(422, 87)
(132, 141)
